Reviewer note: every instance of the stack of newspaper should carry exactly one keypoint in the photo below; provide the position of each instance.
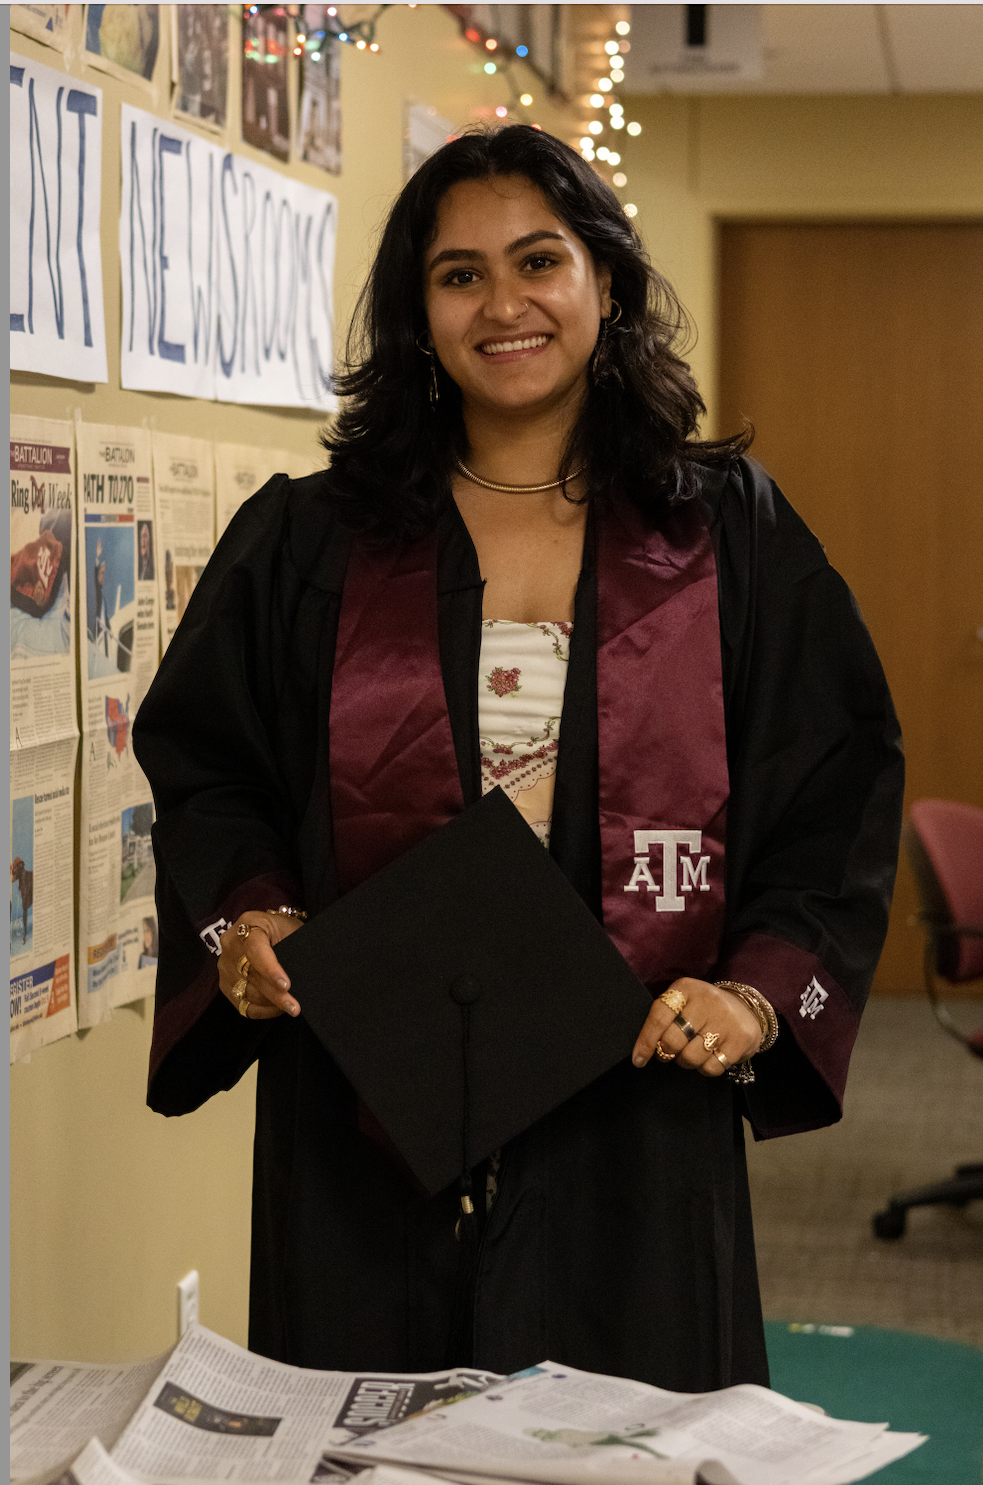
(208, 1410)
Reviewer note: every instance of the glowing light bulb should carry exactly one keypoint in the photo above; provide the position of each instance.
(596, 101)
(522, 51)
(613, 157)
(617, 122)
(491, 44)
(631, 210)
(473, 35)
(360, 45)
(604, 83)
(490, 68)
(620, 179)
(587, 143)
(616, 107)
(315, 56)
(611, 47)
(526, 99)
(634, 129)
(501, 112)
(595, 126)
(373, 46)
(342, 35)
(332, 10)
(622, 28)
(602, 153)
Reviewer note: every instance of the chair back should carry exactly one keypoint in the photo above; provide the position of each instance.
(944, 840)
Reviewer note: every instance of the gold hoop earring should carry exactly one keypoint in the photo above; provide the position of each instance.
(613, 319)
(434, 386)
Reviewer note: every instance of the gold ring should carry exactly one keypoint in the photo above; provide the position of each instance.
(721, 1058)
(243, 930)
(244, 966)
(244, 1005)
(662, 1054)
(674, 999)
(710, 1040)
(239, 991)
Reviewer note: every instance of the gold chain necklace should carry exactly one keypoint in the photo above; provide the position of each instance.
(517, 489)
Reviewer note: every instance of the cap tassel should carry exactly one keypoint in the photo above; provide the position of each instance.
(465, 991)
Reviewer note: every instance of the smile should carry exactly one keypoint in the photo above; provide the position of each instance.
(501, 347)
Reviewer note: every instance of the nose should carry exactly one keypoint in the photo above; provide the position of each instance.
(505, 302)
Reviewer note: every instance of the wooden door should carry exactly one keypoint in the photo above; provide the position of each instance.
(856, 350)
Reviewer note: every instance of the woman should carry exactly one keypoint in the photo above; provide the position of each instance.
(516, 496)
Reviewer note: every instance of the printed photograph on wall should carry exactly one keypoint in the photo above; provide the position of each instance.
(265, 109)
(201, 51)
(47, 23)
(110, 598)
(21, 874)
(138, 875)
(126, 35)
(40, 567)
(145, 552)
(149, 950)
(319, 129)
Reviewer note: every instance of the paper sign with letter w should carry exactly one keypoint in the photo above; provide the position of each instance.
(679, 873)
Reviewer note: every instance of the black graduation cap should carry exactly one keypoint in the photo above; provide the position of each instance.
(465, 990)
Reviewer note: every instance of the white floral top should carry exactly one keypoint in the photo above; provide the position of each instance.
(522, 676)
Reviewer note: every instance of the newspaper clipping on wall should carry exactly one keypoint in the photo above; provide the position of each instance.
(184, 497)
(43, 732)
(119, 650)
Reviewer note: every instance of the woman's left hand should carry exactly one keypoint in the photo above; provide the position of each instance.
(710, 1013)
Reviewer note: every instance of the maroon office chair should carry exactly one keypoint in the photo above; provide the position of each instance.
(944, 841)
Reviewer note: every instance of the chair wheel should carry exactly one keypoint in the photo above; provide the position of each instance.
(890, 1223)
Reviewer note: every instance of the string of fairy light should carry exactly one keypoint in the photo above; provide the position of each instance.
(605, 103)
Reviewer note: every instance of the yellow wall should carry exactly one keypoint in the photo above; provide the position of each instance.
(111, 1204)
(702, 160)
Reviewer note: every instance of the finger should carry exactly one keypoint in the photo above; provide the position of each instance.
(266, 977)
(657, 1022)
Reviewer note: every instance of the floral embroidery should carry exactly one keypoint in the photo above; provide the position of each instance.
(504, 682)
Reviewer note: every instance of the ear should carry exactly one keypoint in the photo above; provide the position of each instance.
(604, 289)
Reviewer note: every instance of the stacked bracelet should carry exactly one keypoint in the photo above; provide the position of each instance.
(288, 912)
(763, 1010)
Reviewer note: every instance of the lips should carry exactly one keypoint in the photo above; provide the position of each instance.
(503, 347)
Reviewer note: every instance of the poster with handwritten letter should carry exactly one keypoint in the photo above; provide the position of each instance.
(56, 309)
(43, 731)
(227, 270)
(119, 648)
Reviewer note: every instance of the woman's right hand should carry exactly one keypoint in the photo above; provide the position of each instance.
(267, 991)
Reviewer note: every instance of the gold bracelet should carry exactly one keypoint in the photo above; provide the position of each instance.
(763, 1010)
(288, 912)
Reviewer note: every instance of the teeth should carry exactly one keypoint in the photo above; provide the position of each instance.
(514, 345)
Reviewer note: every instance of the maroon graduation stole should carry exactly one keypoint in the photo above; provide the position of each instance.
(662, 744)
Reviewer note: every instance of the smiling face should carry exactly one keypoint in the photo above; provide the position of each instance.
(514, 299)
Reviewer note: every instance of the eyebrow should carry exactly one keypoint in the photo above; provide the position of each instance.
(470, 255)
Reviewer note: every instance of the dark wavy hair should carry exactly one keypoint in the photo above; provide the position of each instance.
(393, 454)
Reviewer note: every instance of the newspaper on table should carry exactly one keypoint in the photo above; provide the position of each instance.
(184, 496)
(43, 731)
(554, 1423)
(118, 935)
(209, 1410)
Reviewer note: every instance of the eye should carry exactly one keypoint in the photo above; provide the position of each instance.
(539, 261)
(461, 278)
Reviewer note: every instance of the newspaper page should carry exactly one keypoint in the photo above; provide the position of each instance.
(217, 1411)
(55, 1406)
(118, 609)
(43, 732)
(239, 472)
(184, 495)
(553, 1423)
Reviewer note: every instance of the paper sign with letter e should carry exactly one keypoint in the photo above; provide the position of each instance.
(56, 310)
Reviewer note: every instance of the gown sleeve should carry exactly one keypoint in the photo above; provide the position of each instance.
(225, 822)
(817, 776)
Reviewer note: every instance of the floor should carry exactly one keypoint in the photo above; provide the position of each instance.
(914, 1110)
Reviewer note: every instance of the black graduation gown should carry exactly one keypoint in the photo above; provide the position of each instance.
(620, 1240)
